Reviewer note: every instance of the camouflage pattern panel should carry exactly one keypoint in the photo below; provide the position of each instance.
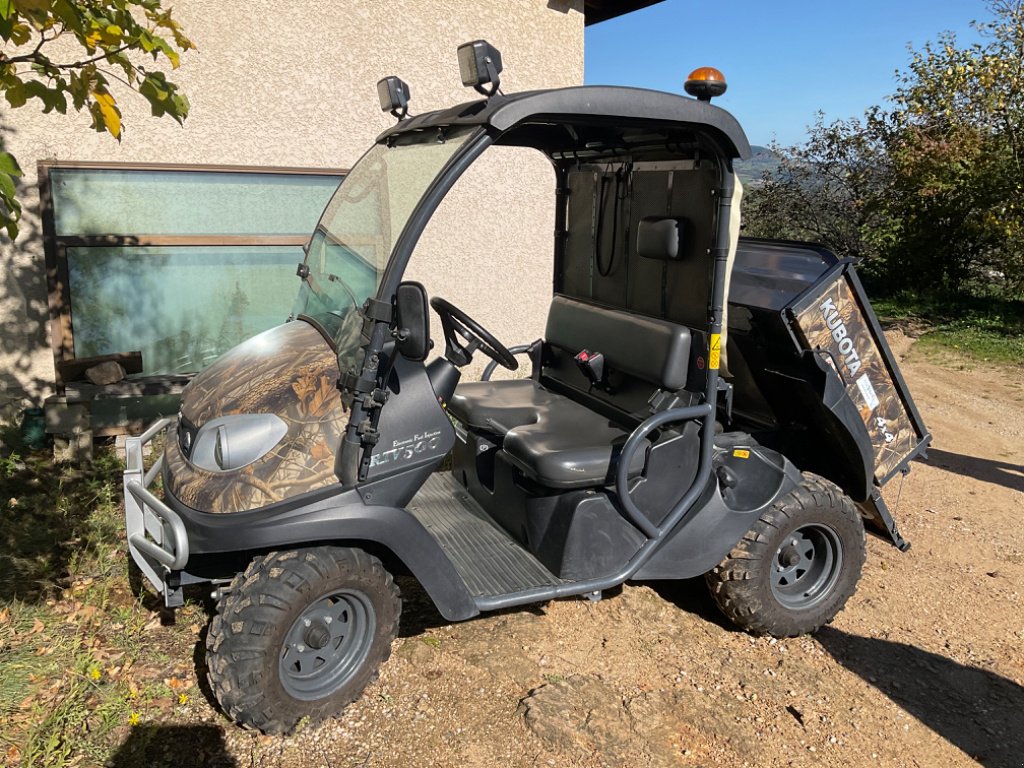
(290, 371)
(834, 322)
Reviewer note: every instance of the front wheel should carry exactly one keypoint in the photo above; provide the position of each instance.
(794, 570)
(300, 635)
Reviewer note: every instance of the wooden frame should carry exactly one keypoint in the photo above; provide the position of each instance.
(55, 247)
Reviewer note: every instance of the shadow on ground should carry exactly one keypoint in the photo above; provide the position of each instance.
(987, 470)
(420, 615)
(692, 596)
(47, 518)
(180, 746)
(976, 710)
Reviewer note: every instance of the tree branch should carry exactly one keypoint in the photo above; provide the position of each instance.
(34, 57)
(105, 55)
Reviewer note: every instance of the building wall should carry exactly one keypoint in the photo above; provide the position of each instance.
(294, 85)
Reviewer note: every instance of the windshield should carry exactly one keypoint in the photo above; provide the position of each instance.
(351, 245)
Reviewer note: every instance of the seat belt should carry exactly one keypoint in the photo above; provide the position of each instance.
(592, 366)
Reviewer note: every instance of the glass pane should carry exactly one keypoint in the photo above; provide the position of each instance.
(182, 306)
(90, 201)
(353, 241)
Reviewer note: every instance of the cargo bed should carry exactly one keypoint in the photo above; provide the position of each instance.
(813, 374)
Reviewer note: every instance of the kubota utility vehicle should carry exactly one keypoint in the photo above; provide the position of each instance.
(646, 443)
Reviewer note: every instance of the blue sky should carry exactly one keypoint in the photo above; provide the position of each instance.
(784, 60)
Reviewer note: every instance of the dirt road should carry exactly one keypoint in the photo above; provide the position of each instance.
(925, 667)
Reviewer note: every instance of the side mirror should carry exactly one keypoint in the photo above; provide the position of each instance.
(412, 321)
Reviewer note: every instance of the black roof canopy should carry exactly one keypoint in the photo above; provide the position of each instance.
(587, 105)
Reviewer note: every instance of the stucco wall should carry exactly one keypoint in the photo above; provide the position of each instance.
(293, 84)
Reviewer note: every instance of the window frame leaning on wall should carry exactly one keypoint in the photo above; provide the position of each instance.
(55, 247)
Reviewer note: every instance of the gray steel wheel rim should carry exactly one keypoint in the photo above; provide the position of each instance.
(345, 622)
(806, 566)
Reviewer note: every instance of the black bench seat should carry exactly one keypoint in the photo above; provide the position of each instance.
(553, 440)
(570, 446)
(550, 437)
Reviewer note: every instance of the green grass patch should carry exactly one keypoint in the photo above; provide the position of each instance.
(85, 663)
(959, 330)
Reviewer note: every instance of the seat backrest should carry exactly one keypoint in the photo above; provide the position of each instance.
(642, 354)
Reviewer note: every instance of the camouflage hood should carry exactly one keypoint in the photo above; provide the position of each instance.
(289, 371)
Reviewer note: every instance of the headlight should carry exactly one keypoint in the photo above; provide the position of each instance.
(231, 442)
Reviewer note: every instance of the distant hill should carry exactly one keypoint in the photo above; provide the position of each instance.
(750, 171)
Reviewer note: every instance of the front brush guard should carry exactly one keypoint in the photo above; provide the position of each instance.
(157, 540)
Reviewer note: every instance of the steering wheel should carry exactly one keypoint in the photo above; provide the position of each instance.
(456, 324)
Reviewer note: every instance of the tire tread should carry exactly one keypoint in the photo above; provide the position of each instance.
(239, 650)
(736, 584)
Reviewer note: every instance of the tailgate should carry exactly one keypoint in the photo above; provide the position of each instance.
(834, 318)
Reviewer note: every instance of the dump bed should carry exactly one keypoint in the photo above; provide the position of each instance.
(812, 371)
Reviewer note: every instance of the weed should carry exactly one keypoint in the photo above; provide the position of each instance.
(9, 465)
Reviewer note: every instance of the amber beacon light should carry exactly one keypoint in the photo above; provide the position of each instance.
(705, 83)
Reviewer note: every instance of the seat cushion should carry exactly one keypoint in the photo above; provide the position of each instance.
(553, 440)
(570, 446)
(498, 406)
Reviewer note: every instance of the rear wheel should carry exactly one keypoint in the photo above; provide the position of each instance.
(794, 570)
(300, 635)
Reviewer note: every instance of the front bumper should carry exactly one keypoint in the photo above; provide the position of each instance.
(157, 540)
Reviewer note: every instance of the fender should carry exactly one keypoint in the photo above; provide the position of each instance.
(703, 539)
(339, 517)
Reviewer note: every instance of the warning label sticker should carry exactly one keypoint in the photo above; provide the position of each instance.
(716, 351)
(867, 391)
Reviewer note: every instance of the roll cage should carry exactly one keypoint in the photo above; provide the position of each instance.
(570, 126)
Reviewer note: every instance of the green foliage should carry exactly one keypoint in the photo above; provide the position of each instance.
(112, 41)
(927, 190)
(960, 328)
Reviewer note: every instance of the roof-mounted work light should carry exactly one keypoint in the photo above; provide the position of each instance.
(393, 93)
(705, 83)
(480, 65)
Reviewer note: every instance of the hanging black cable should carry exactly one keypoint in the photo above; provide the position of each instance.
(605, 271)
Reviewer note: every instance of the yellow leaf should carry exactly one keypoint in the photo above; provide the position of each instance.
(111, 115)
(37, 627)
(5, 615)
